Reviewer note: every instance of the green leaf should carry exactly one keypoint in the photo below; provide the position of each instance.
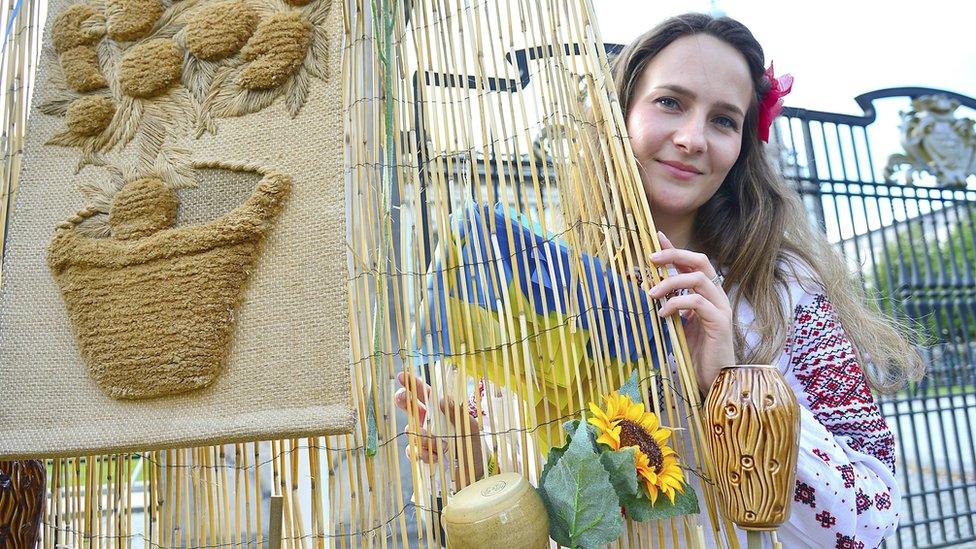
(371, 432)
(583, 507)
(622, 469)
(571, 426)
(551, 459)
(639, 507)
(631, 388)
(492, 465)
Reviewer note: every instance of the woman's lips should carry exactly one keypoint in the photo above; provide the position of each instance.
(679, 170)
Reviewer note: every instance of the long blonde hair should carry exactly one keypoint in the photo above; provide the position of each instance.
(755, 222)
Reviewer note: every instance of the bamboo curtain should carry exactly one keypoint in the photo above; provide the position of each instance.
(496, 111)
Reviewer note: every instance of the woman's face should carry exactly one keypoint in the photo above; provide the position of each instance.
(685, 122)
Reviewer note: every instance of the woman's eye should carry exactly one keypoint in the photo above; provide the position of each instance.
(668, 102)
(726, 122)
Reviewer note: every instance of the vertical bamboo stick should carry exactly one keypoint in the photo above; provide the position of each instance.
(258, 501)
(238, 504)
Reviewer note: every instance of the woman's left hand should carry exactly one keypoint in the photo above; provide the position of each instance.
(705, 308)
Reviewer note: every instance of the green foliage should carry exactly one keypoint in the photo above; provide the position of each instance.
(916, 256)
(582, 504)
(623, 473)
(551, 459)
(631, 388)
(570, 428)
(639, 508)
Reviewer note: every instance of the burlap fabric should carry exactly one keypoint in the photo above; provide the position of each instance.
(259, 101)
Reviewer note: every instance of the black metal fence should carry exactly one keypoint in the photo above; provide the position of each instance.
(911, 237)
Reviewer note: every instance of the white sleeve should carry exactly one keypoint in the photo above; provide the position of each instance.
(846, 494)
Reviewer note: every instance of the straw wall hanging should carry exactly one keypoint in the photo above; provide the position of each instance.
(175, 270)
(291, 209)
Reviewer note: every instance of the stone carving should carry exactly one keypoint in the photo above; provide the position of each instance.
(935, 142)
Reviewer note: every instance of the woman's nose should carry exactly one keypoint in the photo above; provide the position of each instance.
(690, 135)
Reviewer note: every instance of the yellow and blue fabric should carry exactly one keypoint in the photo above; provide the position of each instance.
(500, 286)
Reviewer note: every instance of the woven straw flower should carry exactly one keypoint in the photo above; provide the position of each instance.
(143, 97)
(623, 424)
(287, 48)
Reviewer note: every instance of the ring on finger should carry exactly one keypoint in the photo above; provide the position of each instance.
(717, 280)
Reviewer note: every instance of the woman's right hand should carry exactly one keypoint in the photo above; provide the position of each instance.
(414, 394)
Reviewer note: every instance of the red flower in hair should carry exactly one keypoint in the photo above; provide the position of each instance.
(772, 102)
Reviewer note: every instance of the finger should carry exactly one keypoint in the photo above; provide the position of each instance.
(707, 312)
(684, 260)
(421, 455)
(697, 282)
(665, 241)
(415, 384)
(402, 398)
(429, 457)
(428, 445)
(452, 410)
(422, 441)
(469, 425)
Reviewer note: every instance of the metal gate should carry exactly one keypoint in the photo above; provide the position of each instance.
(905, 219)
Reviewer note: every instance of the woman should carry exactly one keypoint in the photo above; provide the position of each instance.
(697, 102)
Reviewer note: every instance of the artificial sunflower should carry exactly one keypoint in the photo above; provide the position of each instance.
(623, 424)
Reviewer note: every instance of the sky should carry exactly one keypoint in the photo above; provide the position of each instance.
(835, 49)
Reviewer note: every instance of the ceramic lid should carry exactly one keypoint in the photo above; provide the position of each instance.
(486, 498)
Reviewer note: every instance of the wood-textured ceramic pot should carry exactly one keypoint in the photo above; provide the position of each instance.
(752, 424)
(21, 502)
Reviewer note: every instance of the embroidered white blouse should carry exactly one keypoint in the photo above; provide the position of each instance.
(846, 494)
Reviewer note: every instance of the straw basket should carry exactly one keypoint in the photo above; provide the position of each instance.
(152, 307)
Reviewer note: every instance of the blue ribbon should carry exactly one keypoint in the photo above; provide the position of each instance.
(10, 23)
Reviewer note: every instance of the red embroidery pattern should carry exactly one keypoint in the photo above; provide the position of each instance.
(822, 455)
(473, 404)
(824, 362)
(848, 542)
(863, 502)
(882, 500)
(805, 494)
(846, 473)
(826, 519)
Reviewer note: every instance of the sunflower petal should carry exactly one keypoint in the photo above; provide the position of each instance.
(605, 438)
(651, 476)
(615, 405)
(670, 494)
(635, 412)
(650, 423)
(597, 411)
(661, 435)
